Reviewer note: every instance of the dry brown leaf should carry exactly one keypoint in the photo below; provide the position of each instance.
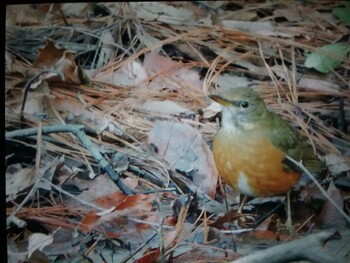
(14, 253)
(191, 35)
(88, 116)
(329, 216)
(150, 255)
(249, 15)
(305, 81)
(292, 13)
(30, 14)
(162, 12)
(98, 187)
(170, 74)
(261, 28)
(184, 149)
(67, 105)
(58, 59)
(156, 64)
(76, 9)
(118, 206)
(127, 76)
(18, 178)
(166, 107)
(132, 219)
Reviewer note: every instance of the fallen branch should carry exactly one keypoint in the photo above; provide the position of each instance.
(77, 130)
(308, 248)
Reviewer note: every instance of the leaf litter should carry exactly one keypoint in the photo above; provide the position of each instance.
(138, 75)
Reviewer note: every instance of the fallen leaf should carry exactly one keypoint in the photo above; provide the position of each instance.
(264, 226)
(212, 110)
(227, 82)
(261, 28)
(118, 205)
(35, 103)
(92, 118)
(184, 149)
(269, 235)
(165, 107)
(150, 255)
(67, 104)
(162, 12)
(76, 9)
(129, 75)
(31, 14)
(108, 49)
(342, 13)
(241, 15)
(89, 221)
(17, 179)
(292, 13)
(329, 216)
(98, 187)
(112, 199)
(305, 81)
(14, 253)
(170, 74)
(58, 59)
(38, 241)
(326, 58)
(337, 163)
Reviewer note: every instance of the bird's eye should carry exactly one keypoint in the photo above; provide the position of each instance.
(244, 104)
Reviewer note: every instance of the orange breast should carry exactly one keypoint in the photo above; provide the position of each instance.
(252, 165)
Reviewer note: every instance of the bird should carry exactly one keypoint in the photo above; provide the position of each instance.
(251, 147)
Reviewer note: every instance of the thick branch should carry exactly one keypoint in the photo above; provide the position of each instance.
(77, 130)
(307, 248)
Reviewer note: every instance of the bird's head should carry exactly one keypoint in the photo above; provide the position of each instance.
(243, 108)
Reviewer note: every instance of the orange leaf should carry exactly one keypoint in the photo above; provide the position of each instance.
(269, 235)
(139, 200)
(150, 255)
(88, 222)
(59, 59)
(110, 234)
(111, 200)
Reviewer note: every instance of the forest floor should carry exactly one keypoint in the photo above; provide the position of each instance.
(109, 130)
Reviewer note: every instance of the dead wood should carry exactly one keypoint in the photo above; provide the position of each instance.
(307, 248)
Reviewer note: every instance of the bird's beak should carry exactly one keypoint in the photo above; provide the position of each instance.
(220, 100)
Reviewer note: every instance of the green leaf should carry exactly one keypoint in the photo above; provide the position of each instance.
(328, 57)
(343, 13)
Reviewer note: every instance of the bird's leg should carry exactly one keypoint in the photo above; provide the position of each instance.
(240, 209)
(245, 220)
(288, 224)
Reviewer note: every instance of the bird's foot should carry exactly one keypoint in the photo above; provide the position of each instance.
(288, 225)
(246, 220)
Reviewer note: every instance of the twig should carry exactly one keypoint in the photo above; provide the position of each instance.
(77, 130)
(295, 251)
(73, 196)
(299, 228)
(35, 81)
(11, 217)
(302, 167)
(139, 248)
